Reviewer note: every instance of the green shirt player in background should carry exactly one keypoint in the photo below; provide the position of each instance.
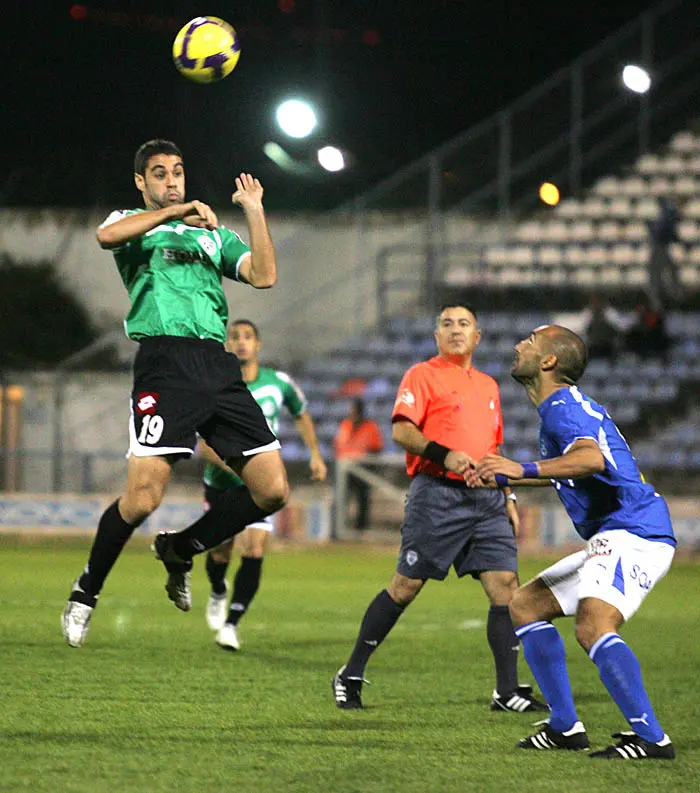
(272, 390)
(172, 256)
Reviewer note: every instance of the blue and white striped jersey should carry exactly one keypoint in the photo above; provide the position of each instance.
(616, 498)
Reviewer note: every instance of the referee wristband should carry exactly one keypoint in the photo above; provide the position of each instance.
(436, 453)
(531, 471)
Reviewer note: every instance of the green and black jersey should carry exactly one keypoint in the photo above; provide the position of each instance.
(271, 390)
(173, 276)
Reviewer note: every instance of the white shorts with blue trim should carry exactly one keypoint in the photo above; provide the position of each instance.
(616, 567)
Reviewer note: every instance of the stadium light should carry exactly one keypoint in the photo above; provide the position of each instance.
(636, 79)
(331, 159)
(296, 118)
(549, 194)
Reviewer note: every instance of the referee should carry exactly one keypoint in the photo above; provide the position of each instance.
(171, 257)
(446, 415)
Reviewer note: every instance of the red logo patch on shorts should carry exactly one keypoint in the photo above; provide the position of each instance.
(147, 402)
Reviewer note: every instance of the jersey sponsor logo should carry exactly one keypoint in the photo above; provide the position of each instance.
(642, 578)
(208, 244)
(147, 402)
(406, 397)
(183, 257)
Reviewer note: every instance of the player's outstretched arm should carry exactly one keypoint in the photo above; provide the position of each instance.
(118, 233)
(583, 459)
(260, 268)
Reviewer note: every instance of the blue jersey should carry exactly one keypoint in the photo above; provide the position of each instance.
(616, 498)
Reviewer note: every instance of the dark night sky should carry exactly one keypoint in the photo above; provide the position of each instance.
(82, 95)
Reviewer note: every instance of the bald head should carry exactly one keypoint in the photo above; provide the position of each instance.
(569, 349)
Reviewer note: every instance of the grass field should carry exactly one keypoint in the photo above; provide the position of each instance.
(151, 704)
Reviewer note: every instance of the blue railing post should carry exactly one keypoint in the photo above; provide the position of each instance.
(575, 129)
(433, 228)
(645, 99)
(505, 153)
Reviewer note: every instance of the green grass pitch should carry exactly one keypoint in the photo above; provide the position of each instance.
(151, 704)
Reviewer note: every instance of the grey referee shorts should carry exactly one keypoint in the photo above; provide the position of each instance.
(447, 524)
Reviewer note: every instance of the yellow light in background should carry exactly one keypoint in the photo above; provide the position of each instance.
(549, 194)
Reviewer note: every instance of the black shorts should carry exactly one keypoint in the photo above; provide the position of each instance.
(447, 524)
(184, 387)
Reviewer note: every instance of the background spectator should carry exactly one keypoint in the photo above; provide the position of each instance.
(647, 336)
(664, 285)
(357, 437)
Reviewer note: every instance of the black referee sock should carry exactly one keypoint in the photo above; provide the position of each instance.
(245, 585)
(504, 646)
(379, 619)
(216, 572)
(112, 535)
(230, 514)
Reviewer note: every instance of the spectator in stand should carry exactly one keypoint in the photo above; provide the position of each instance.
(357, 437)
(664, 284)
(647, 336)
(602, 325)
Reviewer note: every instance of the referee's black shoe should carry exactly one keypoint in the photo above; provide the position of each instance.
(347, 691)
(520, 701)
(632, 747)
(574, 740)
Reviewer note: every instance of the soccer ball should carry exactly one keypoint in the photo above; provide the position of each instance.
(206, 50)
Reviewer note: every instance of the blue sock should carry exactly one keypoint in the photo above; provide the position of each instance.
(544, 652)
(621, 675)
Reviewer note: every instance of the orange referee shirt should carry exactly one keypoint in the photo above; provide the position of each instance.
(459, 408)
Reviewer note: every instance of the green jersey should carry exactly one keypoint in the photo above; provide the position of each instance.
(271, 390)
(173, 276)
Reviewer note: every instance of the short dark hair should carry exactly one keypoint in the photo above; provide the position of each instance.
(248, 322)
(570, 351)
(149, 149)
(470, 308)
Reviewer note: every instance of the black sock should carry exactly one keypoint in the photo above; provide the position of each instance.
(245, 585)
(380, 617)
(232, 511)
(216, 571)
(504, 646)
(112, 535)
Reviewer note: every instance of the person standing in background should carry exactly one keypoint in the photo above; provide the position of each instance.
(355, 438)
(272, 390)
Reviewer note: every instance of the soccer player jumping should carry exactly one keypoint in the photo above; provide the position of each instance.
(171, 256)
(630, 546)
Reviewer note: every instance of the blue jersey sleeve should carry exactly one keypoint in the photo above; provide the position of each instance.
(567, 423)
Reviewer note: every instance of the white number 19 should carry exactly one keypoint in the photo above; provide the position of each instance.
(151, 429)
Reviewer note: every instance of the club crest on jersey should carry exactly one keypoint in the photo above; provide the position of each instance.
(207, 244)
(406, 397)
(147, 403)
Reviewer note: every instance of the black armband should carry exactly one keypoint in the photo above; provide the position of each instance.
(436, 453)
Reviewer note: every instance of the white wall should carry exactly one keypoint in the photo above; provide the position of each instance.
(327, 281)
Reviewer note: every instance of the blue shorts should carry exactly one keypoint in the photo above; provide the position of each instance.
(447, 524)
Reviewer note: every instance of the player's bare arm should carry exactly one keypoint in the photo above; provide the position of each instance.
(584, 458)
(193, 213)
(260, 268)
(317, 465)
(408, 436)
